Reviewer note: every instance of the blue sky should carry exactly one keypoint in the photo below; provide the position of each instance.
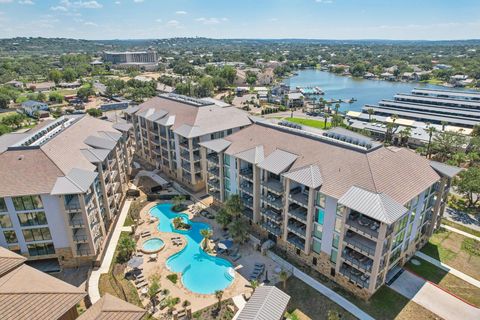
(316, 19)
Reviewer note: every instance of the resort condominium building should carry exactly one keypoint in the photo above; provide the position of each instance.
(342, 204)
(169, 128)
(130, 57)
(62, 186)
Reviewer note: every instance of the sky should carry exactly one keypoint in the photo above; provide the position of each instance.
(312, 19)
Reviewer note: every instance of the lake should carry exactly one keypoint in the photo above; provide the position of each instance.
(341, 87)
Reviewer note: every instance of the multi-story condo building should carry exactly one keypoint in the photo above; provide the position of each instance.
(169, 128)
(339, 203)
(130, 57)
(61, 188)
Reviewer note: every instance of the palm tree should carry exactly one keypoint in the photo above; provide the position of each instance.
(370, 112)
(223, 218)
(219, 296)
(254, 284)
(325, 117)
(404, 135)
(178, 202)
(283, 276)
(126, 247)
(234, 205)
(430, 130)
(206, 234)
(444, 124)
(153, 289)
(239, 230)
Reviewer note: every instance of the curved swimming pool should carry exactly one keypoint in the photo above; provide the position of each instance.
(152, 245)
(201, 272)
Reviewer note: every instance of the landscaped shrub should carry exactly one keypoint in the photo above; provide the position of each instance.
(471, 246)
(173, 277)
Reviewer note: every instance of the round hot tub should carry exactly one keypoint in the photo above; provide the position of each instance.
(152, 245)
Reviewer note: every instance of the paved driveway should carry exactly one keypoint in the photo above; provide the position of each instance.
(433, 298)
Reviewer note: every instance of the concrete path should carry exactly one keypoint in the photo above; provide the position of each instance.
(93, 291)
(433, 298)
(463, 233)
(449, 269)
(240, 302)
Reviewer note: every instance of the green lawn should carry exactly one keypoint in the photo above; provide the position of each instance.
(446, 281)
(461, 227)
(319, 124)
(452, 249)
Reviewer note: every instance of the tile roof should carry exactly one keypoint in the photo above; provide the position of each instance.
(378, 206)
(26, 293)
(9, 260)
(112, 308)
(189, 118)
(399, 173)
(266, 303)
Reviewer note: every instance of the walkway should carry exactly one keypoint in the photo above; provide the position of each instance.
(240, 302)
(463, 233)
(433, 298)
(332, 295)
(94, 279)
(449, 269)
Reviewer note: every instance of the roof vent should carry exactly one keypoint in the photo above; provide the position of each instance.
(21, 157)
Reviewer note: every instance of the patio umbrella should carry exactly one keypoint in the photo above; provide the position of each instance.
(222, 246)
(135, 262)
(227, 243)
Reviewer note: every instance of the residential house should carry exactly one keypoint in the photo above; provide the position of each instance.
(31, 107)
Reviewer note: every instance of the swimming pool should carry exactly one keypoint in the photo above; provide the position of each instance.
(201, 272)
(153, 245)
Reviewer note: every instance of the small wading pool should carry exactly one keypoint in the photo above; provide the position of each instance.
(153, 245)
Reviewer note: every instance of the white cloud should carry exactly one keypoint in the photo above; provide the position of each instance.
(159, 20)
(29, 2)
(59, 8)
(173, 24)
(138, 1)
(210, 21)
(324, 1)
(117, 2)
(80, 4)
(91, 24)
(181, 12)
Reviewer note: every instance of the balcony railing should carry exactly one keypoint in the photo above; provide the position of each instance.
(296, 241)
(80, 239)
(297, 228)
(247, 200)
(274, 185)
(272, 228)
(213, 158)
(73, 206)
(273, 201)
(363, 226)
(215, 183)
(77, 222)
(247, 212)
(272, 215)
(83, 252)
(247, 173)
(299, 213)
(356, 276)
(357, 260)
(247, 187)
(214, 170)
(299, 198)
(361, 244)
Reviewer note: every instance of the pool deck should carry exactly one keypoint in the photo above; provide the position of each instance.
(198, 301)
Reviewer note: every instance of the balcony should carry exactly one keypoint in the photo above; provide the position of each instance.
(355, 276)
(214, 183)
(274, 185)
(155, 140)
(114, 174)
(274, 201)
(76, 221)
(363, 225)
(184, 144)
(80, 238)
(186, 166)
(112, 162)
(83, 252)
(247, 187)
(272, 215)
(299, 197)
(215, 194)
(272, 228)
(360, 244)
(247, 173)
(357, 260)
(299, 213)
(185, 155)
(296, 241)
(73, 205)
(214, 170)
(247, 212)
(297, 228)
(213, 158)
(247, 200)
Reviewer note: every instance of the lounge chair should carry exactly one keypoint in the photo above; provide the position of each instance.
(259, 265)
(236, 256)
(139, 280)
(141, 284)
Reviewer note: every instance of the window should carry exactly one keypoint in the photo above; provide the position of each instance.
(38, 234)
(226, 172)
(317, 245)
(15, 248)
(27, 203)
(10, 236)
(338, 224)
(229, 131)
(321, 200)
(3, 206)
(318, 231)
(335, 240)
(40, 249)
(333, 256)
(5, 221)
(32, 218)
(226, 159)
(340, 210)
(398, 239)
(401, 224)
(320, 216)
